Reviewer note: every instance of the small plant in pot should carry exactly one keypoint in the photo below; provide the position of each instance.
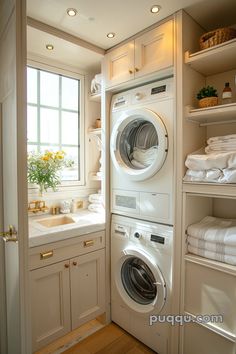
(207, 97)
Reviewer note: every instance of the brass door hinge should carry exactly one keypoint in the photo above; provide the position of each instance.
(10, 235)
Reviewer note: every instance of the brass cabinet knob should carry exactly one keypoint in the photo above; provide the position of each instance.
(74, 263)
(136, 69)
(130, 71)
(67, 265)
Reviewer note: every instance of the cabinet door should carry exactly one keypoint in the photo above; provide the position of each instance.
(87, 287)
(50, 309)
(119, 65)
(154, 50)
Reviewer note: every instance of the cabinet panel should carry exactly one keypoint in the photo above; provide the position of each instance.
(87, 287)
(50, 291)
(154, 50)
(119, 65)
(198, 339)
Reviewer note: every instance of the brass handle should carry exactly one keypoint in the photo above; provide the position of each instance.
(67, 265)
(130, 71)
(136, 69)
(88, 243)
(45, 255)
(74, 263)
(10, 235)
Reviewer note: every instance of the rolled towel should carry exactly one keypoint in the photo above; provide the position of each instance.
(97, 208)
(213, 255)
(95, 198)
(213, 175)
(212, 229)
(211, 246)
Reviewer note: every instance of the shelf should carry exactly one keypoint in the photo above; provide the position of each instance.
(93, 176)
(223, 267)
(214, 189)
(214, 60)
(95, 97)
(95, 131)
(212, 115)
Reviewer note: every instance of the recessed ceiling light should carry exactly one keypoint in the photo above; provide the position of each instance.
(111, 35)
(71, 12)
(155, 9)
(49, 46)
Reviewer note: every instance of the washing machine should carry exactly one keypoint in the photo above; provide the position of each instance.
(141, 148)
(141, 278)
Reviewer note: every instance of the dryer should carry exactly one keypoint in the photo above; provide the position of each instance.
(141, 148)
(141, 278)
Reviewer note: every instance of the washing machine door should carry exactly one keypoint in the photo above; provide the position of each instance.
(140, 282)
(139, 144)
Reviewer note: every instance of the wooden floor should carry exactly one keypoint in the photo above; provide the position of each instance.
(109, 340)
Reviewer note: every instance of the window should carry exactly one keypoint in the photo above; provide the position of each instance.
(54, 119)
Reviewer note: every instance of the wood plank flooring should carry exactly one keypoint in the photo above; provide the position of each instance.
(110, 340)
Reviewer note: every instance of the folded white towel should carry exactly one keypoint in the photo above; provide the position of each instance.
(211, 246)
(213, 255)
(199, 162)
(212, 229)
(223, 138)
(97, 208)
(220, 148)
(95, 198)
(213, 175)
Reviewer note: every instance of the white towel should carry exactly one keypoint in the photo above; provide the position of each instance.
(97, 208)
(145, 157)
(211, 246)
(220, 148)
(96, 84)
(137, 164)
(213, 255)
(222, 139)
(212, 229)
(95, 198)
(213, 175)
(199, 162)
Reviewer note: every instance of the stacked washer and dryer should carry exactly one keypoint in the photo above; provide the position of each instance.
(141, 144)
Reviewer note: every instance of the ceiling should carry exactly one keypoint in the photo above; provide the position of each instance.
(96, 18)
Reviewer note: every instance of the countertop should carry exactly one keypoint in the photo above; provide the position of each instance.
(85, 223)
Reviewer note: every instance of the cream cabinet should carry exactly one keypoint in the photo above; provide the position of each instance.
(144, 55)
(68, 293)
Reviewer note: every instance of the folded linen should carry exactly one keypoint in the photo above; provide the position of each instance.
(97, 208)
(226, 175)
(137, 164)
(211, 246)
(198, 162)
(95, 198)
(220, 148)
(223, 138)
(212, 229)
(213, 255)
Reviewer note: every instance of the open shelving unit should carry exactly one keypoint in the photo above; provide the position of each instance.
(220, 114)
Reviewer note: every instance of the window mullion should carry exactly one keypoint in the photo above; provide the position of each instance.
(38, 111)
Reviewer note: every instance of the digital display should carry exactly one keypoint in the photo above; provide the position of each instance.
(158, 239)
(119, 103)
(158, 89)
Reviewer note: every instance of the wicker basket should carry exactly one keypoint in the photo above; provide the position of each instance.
(208, 102)
(217, 36)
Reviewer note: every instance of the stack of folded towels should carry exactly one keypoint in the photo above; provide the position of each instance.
(217, 164)
(96, 203)
(213, 238)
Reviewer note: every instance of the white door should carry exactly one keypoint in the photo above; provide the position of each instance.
(13, 273)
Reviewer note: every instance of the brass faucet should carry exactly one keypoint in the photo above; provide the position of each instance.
(37, 205)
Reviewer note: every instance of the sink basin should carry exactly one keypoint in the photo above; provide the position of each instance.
(52, 222)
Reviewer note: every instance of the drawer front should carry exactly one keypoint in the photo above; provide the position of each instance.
(55, 252)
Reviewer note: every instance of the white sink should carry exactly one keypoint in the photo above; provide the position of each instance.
(58, 221)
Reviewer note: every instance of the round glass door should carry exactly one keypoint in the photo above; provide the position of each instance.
(138, 281)
(139, 144)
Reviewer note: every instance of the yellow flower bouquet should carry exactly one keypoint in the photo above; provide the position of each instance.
(43, 169)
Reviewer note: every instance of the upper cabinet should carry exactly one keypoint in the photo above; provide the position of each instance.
(144, 55)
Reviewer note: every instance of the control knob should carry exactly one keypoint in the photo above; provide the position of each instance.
(137, 235)
(138, 96)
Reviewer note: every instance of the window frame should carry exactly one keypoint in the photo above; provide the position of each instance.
(73, 75)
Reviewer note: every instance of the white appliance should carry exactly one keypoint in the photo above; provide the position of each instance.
(141, 273)
(141, 147)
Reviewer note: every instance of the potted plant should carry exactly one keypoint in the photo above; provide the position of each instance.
(207, 97)
(44, 168)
